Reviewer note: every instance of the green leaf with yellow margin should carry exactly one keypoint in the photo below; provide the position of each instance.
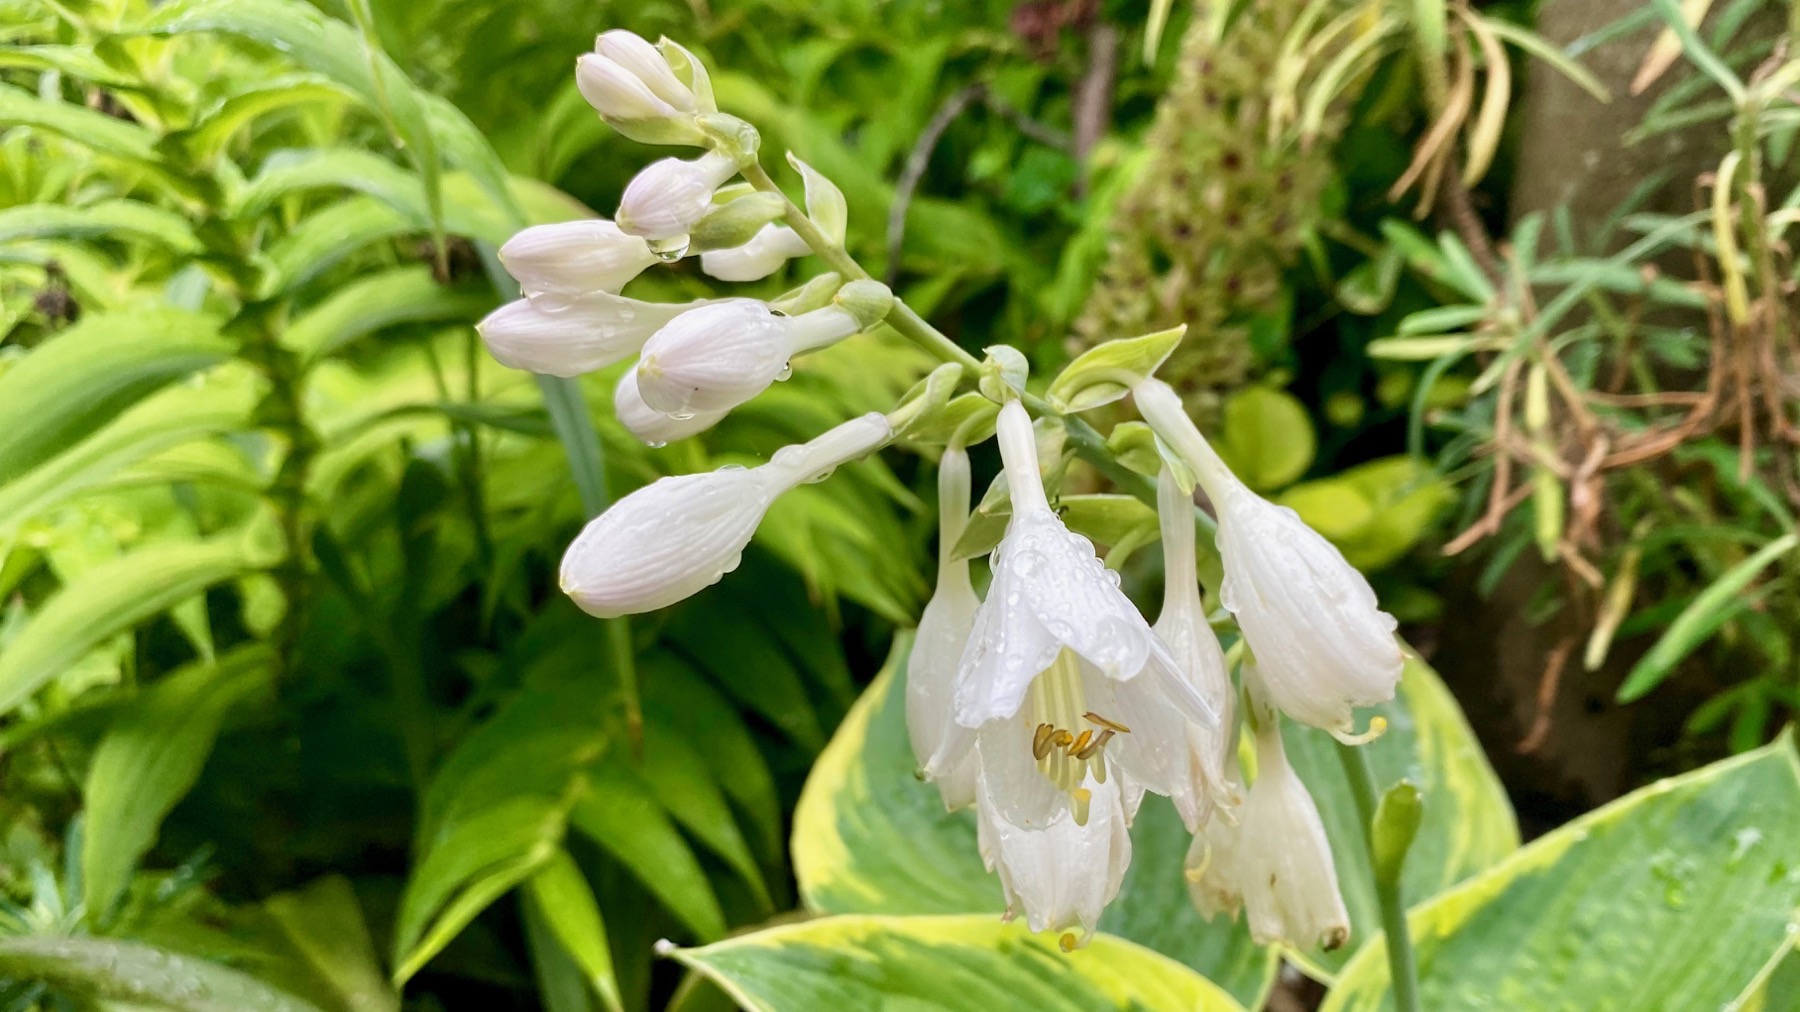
(1467, 826)
(1682, 895)
(952, 962)
(871, 838)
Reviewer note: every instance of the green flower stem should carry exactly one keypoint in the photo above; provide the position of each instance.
(1089, 444)
(1403, 966)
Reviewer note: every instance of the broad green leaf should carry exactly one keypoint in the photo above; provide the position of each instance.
(948, 963)
(149, 758)
(1468, 822)
(324, 922)
(561, 896)
(1700, 619)
(1677, 896)
(106, 969)
(871, 838)
(400, 295)
(1266, 437)
(113, 220)
(112, 598)
(78, 381)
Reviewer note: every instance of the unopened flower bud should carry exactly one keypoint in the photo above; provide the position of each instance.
(762, 256)
(867, 301)
(630, 84)
(680, 535)
(735, 222)
(669, 197)
(653, 427)
(578, 336)
(720, 357)
(575, 258)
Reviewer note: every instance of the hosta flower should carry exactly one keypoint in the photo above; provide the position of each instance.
(678, 535)
(762, 256)
(1276, 862)
(575, 258)
(943, 632)
(721, 355)
(575, 336)
(1321, 641)
(668, 198)
(651, 426)
(631, 85)
(1063, 875)
(1198, 778)
(1056, 656)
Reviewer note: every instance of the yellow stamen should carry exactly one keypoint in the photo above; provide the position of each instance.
(1081, 742)
(1067, 942)
(1040, 742)
(1103, 722)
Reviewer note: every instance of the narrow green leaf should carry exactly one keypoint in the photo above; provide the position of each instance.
(90, 127)
(109, 219)
(1699, 620)
(149, 759)
(295, 172)
(71, 385)
(563, 899)
(408, 294)
(215, 127)
(109, 599)
(623, 816)
(324, 921)
(113, 970)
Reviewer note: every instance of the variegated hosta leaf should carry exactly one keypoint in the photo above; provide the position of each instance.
(1683, 895)
(966, 962)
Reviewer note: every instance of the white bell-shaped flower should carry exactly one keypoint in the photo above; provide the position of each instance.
(668, 198)
(721, 355)
(1198, 777)
(1056, 653)
(653, 427)
(1276, 862)
(1062, 876)
(762, 256)
(943, 633)
(568, 337)
(574, 258)
(630, 84)
(679, 535)
(1322, 642)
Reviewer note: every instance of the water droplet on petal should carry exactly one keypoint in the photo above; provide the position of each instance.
(787, 372)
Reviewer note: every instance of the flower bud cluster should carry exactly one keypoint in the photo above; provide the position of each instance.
(696, 361)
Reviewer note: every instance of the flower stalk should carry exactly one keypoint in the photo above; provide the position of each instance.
(1403, 964)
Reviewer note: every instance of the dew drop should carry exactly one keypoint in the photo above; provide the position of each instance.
(787, 372)
(656, 444)
(681, 416)
(671, 249)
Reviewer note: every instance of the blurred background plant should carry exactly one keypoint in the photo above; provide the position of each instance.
(287, 684)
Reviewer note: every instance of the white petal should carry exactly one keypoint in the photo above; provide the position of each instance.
(1320, 640)
(575, 258)
(943, 633)
(665, 542)
(669, 197)
(1062, 876)
(714, 358)
(579, 336)
(654, 427)
(616, 93)
(762, 256)
(637, 56)
(1007, 650)
(1020, 793)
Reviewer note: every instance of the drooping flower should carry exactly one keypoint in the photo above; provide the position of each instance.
(630, 84)
(651, 426)
(1276, 862)
(762, 256)
(1199, 779)
(1060, 876)
(575, 336)
(574, 258)
(679, 535)
(943, 633)
(1056, 653)
(1322, 642)
(668, 198)
(720, 356)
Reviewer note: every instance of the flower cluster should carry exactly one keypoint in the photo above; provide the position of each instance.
(696, 361)
(1049, 704)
